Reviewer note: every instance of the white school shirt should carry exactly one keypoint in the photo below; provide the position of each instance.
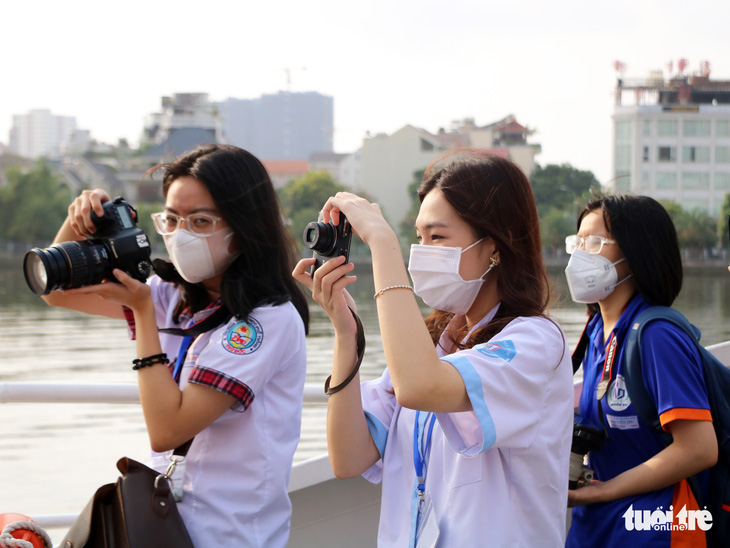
(498, 475)
(237, 469)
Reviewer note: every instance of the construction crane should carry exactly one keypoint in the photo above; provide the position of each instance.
(288, 71)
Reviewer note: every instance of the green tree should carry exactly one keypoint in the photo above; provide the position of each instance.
(695, 229)
(562, 187)
(144, 221)
(722, 223)
(555, 225)
(33, 205)
(407, 232)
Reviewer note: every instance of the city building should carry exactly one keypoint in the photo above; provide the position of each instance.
(281, 126)
(40, 133)
(180, 113)
(672, 137)
(385, 165)
(329, 162)
(283, 171)
(185, 121)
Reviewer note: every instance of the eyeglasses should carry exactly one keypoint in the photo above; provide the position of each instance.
(201, 224)
(589, 244)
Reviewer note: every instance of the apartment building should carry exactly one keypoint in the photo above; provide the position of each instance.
(40, 133)
(280, 126)
(672, 139)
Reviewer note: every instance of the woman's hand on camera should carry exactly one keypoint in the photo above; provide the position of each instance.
(79, 212)
(366, 219)
(328, 289)
(129, 292)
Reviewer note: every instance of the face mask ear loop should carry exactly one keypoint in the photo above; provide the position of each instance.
(622, 281)
(472, 245)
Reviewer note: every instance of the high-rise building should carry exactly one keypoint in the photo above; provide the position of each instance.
(282, 126)
(672, 139)
(40, 133)
(183, 114)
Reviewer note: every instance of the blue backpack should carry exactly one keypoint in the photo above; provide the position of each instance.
(717, 379)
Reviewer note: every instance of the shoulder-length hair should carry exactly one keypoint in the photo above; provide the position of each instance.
(244, 195)
(495, 198)
(645, 233)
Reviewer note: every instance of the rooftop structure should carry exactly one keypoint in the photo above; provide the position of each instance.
(672, 137)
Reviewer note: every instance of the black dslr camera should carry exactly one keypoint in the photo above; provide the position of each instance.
(328, 240)
(118, 244)
(585, 439)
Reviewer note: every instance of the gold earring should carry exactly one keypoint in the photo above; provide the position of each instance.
(493, 260)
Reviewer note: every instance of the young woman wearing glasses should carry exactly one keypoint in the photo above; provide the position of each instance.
(237, 387)
(624, 259)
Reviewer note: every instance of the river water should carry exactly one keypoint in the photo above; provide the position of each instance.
(53, 456)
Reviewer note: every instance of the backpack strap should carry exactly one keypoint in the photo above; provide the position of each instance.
(634, 377)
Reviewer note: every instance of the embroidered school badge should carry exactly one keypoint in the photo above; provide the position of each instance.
(498, 349)
(244, 337)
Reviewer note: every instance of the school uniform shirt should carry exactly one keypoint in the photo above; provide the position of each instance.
(673, 376)
(237, 469)
(497, 475)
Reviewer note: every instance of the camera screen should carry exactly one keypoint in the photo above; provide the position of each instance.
(127, 221)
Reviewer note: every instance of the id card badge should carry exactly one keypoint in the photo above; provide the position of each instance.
(427, 534)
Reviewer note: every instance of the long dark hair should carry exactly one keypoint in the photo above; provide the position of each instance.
(495, 198)
(244, 195)
(645, 233)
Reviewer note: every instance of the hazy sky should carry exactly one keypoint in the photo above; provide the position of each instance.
(387, 63)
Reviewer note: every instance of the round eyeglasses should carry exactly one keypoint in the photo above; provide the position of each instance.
(589, 244)
(200, 224)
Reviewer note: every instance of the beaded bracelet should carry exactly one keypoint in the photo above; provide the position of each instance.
(379, 293)
(139, 363)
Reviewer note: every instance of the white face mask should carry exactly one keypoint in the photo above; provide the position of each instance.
(199, 258)
(434, 270)
(591, 277)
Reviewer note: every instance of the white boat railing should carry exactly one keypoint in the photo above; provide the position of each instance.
(58, 392)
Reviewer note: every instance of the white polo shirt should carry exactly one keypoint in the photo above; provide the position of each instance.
(237, 469)
(497, 475)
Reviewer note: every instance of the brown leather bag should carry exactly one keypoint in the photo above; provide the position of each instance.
(138, 511)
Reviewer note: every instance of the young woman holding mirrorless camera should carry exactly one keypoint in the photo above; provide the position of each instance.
(237, 387)
(477, 401)
(624, 259)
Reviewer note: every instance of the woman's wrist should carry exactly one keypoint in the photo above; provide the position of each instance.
(143, 310)
(383, 238)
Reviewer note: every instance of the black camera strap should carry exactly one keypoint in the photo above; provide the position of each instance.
(580, 349)
(360, 338)
(220, 316)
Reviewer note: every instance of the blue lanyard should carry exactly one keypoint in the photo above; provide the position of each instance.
(181, 354)
(419, 456)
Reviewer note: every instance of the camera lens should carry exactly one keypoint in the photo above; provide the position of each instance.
(320, 237)
(66, 265)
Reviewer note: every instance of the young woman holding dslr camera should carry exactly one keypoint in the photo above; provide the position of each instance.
(624, 259)
(469, 428)
(235, 388)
